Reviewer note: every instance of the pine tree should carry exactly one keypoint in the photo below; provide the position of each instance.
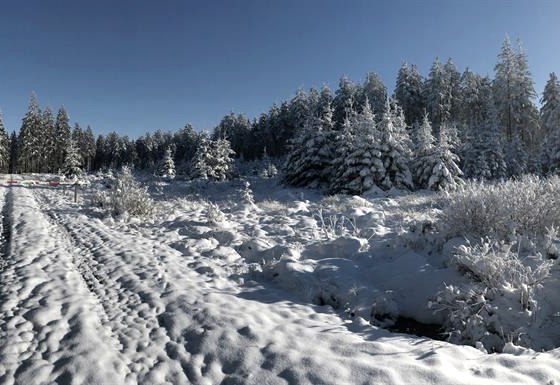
(446, 174)
(213, 159)
(424, 150)
(409, 93)
(48, 140)
(28, 157)
(395, 147)
(72, 166)
(550, 124)
(344, 102)
(437, 95)
(374, 91)
(88, 148)
(4, 147)
(14, 153)
(308, 161)
(358, 164)
(62, 137)
(167, 166)
(514, 93)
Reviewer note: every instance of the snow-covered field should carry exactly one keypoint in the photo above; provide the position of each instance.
(214, 289)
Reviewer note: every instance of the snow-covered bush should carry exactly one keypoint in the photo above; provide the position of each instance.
(214, 215)
(502, 300)
(503, 210)
(126, 196)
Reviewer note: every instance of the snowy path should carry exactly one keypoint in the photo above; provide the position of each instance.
(85, 303)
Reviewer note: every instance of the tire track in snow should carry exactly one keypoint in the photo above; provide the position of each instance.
(124, 287)
(49, 326)
(6, 231)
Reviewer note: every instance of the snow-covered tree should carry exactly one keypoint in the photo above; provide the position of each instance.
(72, 166)
(453, 82)
(308, 162)
(395, 147)
(409, 93)
(213, 159)
(358, 164)
(344, 102)
(167, 166)
(28, 157)
(62, 137)
(514, 93)
(374, 91)
(48, 141)
(423, 152)
(550, 124)
(437, 96)
(4, 147)
(446, 174)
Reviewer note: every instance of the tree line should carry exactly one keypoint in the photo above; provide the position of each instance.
(448, 123)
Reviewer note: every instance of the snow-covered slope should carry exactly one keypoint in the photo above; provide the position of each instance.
(188, 299)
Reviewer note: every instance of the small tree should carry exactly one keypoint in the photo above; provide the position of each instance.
(214, 159)
(72, 166)
(167, 166)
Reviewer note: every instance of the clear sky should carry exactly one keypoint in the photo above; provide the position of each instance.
(134, 66)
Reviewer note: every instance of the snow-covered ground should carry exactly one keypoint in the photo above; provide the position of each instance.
(216, 290)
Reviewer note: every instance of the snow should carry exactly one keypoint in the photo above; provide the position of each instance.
(212, 291)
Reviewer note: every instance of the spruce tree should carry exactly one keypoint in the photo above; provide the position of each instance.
(437, 94)
(374, 91)
(213, 159)
(409, 93)
(48, 140)
(357, 165)
(4, 147)
(550, 124)
(62, 137)
(514, 93)
(308, 162)
(344, 102)
(167, 166)
(72, 165)
(28, 141)
(395, 148)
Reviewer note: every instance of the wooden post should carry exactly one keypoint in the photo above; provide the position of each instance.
(76, 192)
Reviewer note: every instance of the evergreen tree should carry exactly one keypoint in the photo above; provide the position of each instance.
(213, 159)
(344, 102)
(28, 157)
(374, 91)
(409, 93)
(424, 151)
(167, 166)
(514, 93)
(395, 146)
(87, 148)
(72, 166)
(308, 161)
(437, 95)
(550, 101)
(62, 137)
(14, 152)
(446, 174)
(358, 164)
(453, 82)
(4, 147)
(550, 124)
(48, 141)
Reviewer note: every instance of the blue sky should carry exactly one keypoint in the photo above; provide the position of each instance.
(134, 66)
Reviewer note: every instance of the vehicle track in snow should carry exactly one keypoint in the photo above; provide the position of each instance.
(6, 230)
